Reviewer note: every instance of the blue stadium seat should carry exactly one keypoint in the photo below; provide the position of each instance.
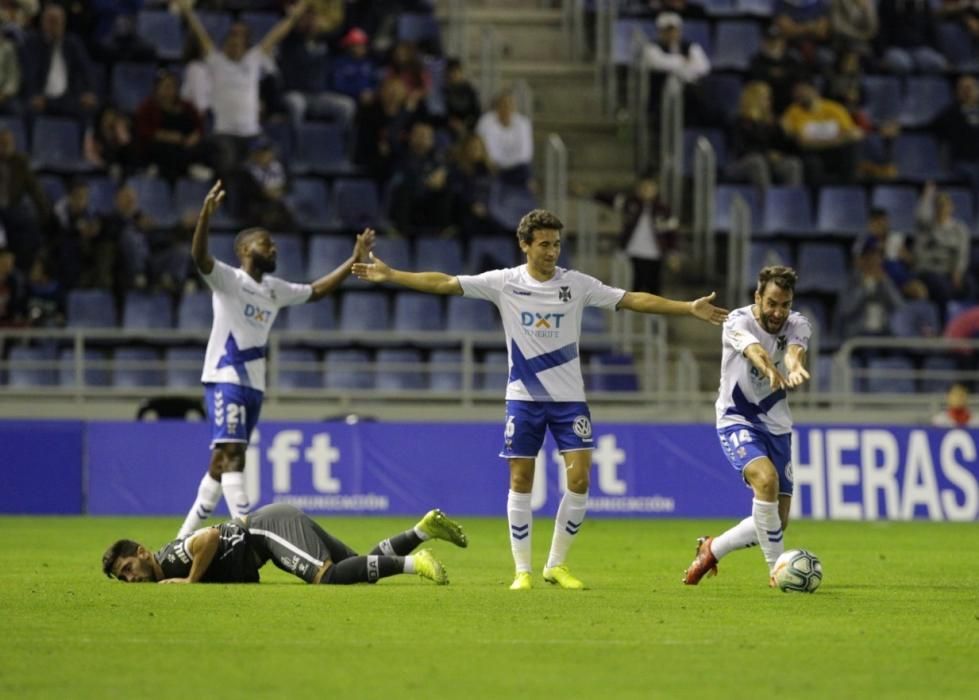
(955, 42)
(494, 373)
(131, 84)
(417, 312)
(924, 98)
(622, 38)
(16, 126)
(594, 321)
(761, 8)
(280, 134)
(194, 312)
(259, 23)
(918, 158)
(31, 366)
(787, 210)
(309, 200)
(471, 315)
(823, 374)
(714, 136)
(183, 367)
(396, 252)
(290, 261)
(507, 204)
(720, 8)
(916, 319)
(697, 31)
(96, 373)
(736, 41)
(91, 308)
(938, 363)
(881, 377)
(320, 148)
(326, 253)
(438, 255)
(882, 97)
(364, 311)
(348, 369)
(137, 367)
(445, 370)
(725, 91)
(143, 311)
(963, 203)
(188, 195)
(841, 210)
(102, 193)
(763, 253)
(825, 267)
(815, 310)
(54, 187)
(400, 378)
(155, 199)
(491, 252)
(217, 25)
(900, 202)
(222, 247)
(162, 30)
(299, 368)
(357, 203)
(612, 372)
(417, 27)
(315, 316)
(435, 99)
(57, 145)
(725, 198)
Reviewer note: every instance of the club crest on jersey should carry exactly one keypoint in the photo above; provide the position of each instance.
(564, 294)
(582, 427)
(781, 342)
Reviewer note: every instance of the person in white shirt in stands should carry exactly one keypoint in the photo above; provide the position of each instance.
(246, 301)
(541, 306)
(235, 73)
(509, 140)
(672, 55)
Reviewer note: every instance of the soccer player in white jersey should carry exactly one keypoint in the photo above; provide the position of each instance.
(541, 306)
(246, 301)
(764, 354)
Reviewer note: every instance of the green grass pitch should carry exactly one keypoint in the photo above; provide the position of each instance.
(897, 617)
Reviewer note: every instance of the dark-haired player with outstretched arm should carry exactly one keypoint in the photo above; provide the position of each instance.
(246, 301)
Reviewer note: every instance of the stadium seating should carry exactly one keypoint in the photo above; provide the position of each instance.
(916, 319)
(697, 31)
(445, 370)
(312, 317)
(320, 148)
(396, 252)
(414, 312)
(470, 315)
(259, 23)
(507, 204)
(390, 377)
(882, 97)
(222, 247)
(155, 199)
(290, 261)
(439, 255)
(623, 34)
(962, 202)
(900, 202)
(31, 366)
(194, 311)
(612, 372)
(309, 201)
(787, 210)
(217, 24)
(825, 266)
(924, 98)
(717, 141)
(16, 127)
(57, 145)
(143, 311)
(938, 363)
(348, 369)
(918, 159)
(764, 253)
(495, 372)
(725, 91)
(417, 27)
(96, 373)
(183, 366)
(357, 203)
(136, 367)
(725, 198)
(720, 8)
(881, 377)
(299, 368)
(842, 210)
(736, 42)
(53, 186)
(956, 43)
(131, 84)
(761, 8)
(364, 311)
(491, 252)
(102, 193)
(91, 308)
(161, 29)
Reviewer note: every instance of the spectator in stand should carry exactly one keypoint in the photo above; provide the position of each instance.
(824, 134)
(470, 177)
(88, 251)
(870, 298)
(9, 77)
(406, 65)
(898, 260)
(773, 64)
(907, 39)
(45, 296)
(956, 413)
(461, 99)
(509, 140)
(672, 55)
(805, 24)
(264, 187)
(236, 74)
(853, 25)
(196, 87)
(131, 230)
(16, 16)
(112, 34)
(109, 143)
(305, 68)
(760, 149)
(13, 291)
(169, 129)
(57, 73)
(355, 72)
(421, 200)
(20, 228)
(652, 8)
(941, 247)
(648, 234)
(958, 127)
(381, 125)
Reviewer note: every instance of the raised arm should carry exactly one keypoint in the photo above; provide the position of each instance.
(701, 308)
(428, 282)
(202, 547)
(207, 45)
(763, 363)
(326, 284)
(198, 246)
(281, 30)
(795, 366)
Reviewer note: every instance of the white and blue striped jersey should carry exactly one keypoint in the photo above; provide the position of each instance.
(745, 396)
(244, 311)
(542, 322)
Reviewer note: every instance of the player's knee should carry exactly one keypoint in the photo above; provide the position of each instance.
(521, 482)
(234, 458)
(578, 484)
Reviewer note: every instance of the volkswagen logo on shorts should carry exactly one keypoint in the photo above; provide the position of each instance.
(788, 472)
(582, 427)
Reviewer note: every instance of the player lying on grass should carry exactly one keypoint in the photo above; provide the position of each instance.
(234, 551)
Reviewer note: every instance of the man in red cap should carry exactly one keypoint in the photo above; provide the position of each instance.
(355, 73)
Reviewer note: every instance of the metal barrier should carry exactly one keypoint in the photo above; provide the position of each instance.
(738, 248)
(606, 80)
(523, 94)
(587, 256)
(573, 27)
(489, 65)
(671, 143)
(556, 176)
(456, 34)
(704, 190)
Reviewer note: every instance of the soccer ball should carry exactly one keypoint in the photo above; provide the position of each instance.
(798, 570)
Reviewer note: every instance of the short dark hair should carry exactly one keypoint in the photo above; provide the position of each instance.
(537, 220)
(119, 548)
(244, 236)
(782, 276)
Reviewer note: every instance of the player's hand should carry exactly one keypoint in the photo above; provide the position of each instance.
(213, 199)
(703, 309)
(775, 379)
(175, 580)
(796, 377)
(375, 271)
(364, 244)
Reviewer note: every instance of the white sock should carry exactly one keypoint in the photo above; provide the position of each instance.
(570, 516)
(521, 520)
(233, 484)
(409, 564)
(768, 529)
(738, 537)
(208, 494)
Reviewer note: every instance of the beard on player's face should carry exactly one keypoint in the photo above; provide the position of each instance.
(264, 263)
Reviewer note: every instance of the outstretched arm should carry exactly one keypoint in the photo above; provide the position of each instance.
(207, 45)
(795, 365)
(198, 246)
(646, 303)
(428, 282)
(763, 363)
(281, 30)
(326, 284)
(202, 547)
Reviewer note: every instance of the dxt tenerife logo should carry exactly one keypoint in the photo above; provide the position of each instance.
(257, 313)
(541, 325)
